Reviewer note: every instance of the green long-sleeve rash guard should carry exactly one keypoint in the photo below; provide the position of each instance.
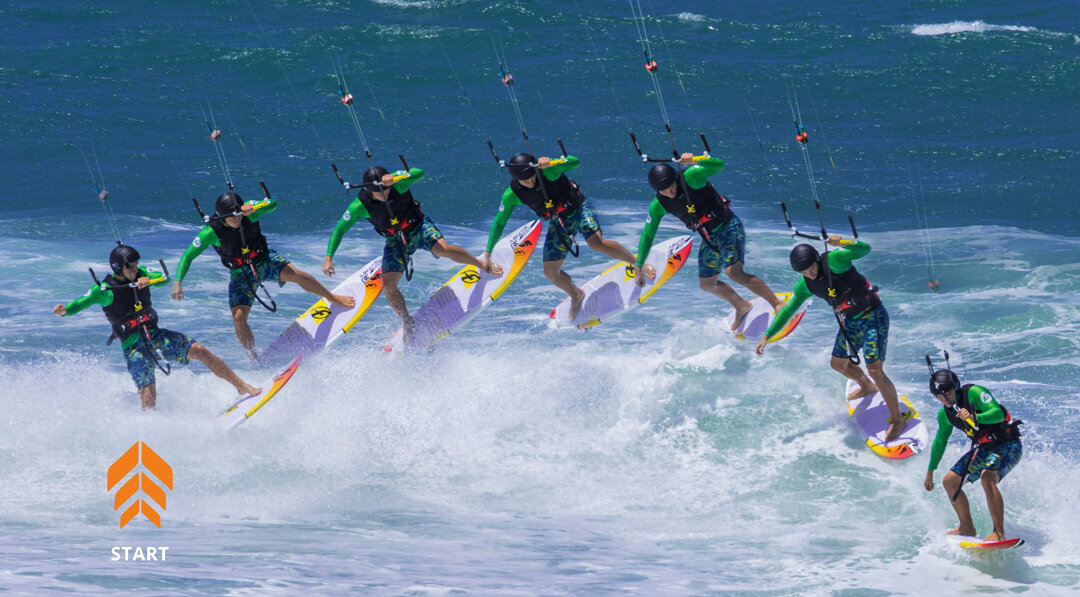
(207, 237)
(696, 177)
(987, 412)
(839, 262)
(101, 295)
(510, 199)
(357, 211)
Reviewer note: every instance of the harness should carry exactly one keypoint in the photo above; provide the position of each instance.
(237, 252)
(129, 316)
(542, 200)
(984, 437)
(394, 218)
(700, 210)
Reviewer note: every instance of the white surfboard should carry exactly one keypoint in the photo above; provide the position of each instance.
(324, 323)
(761, 316)
(614, 291)
(870, 415)
(469, 292)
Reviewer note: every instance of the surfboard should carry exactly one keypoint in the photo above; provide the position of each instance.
(614, 292)
(325, 323)
(870, 415)
(761, 316)
(977, 544)
(247, 406)
(468, 292)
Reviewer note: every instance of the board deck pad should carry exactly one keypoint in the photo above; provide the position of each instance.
(870, 415)
(614, 292)
(977, 544)
(324, 323)
(247, 406)
(469, 292)
(761, 316)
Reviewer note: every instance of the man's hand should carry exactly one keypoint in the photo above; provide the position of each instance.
(387, 181)
(544, 162)
(928, 482)
(760, 348)
(963, 414)
(328, 266)
(143, 282)
(177, 291)
(59, 310)
(834, 240)
(686, 159)
(247, 209)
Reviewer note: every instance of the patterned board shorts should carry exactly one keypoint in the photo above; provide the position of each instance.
(731, 238)
(395, 254)
(174, 346)
(242, 287)
(869, 333)
(1001, 459)
(583, 221)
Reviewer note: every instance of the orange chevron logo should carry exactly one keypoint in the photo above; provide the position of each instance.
(153, 464)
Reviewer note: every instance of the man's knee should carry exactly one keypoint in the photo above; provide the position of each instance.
(197, 352)
(707, 284)
(989, 479)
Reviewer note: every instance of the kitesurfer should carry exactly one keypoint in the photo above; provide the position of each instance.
(864, 322)
(389, 205)
(688, 195)
(559, 201)
(995, 448)
(124, 296)
(236, 235)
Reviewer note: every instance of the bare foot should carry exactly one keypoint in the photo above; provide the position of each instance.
(994, 537)
(408, 326)
(895, 429)
(494, 269)
(862, 391)
(249, 391)
(970, 532)
(575, 304)
(740, 314)
(650, 271)
(344, 300)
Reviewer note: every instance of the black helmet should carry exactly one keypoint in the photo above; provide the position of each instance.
(521, 166)
(121, 256)
(374, 174)
(662, 176)
(942, 381)
(228, 204)
(803, 256)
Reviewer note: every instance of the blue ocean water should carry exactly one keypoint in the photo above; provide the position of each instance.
(653, 456)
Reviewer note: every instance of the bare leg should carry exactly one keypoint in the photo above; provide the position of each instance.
(553, 271)
(876, 370)
(723, 290)
(310, 284)
(951, 483)
(148, 396)
(243, 331)
(854, 373)
(995, 503)
(459, 255)
(397, 302)
(754, 283)
(219, 368)
(612, 249)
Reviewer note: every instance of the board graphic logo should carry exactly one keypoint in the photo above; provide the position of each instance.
(320, 314)
(140, 453)
(629, 274)
(526, 243)
(469, 277)
(371, 283)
